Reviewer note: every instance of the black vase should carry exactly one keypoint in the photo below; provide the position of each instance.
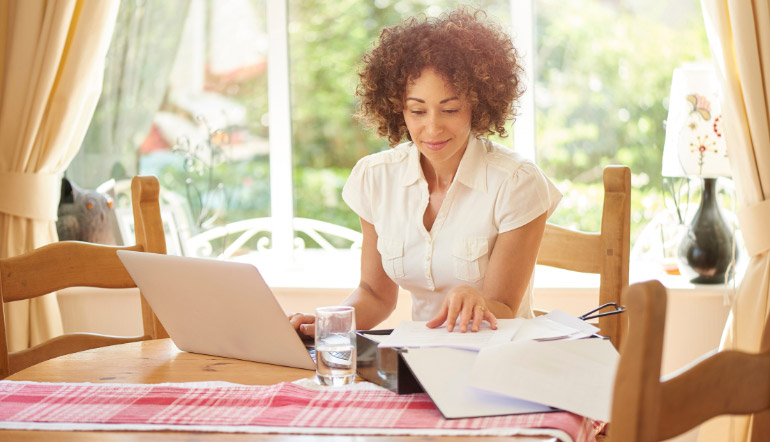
(707, 248)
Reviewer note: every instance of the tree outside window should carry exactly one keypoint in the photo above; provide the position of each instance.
(199, 116)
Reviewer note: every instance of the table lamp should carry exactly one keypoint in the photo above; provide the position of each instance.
(695, 147)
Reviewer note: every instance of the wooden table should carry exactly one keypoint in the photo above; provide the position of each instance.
(151, 362)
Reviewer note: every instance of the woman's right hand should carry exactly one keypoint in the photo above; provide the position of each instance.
(303, 323)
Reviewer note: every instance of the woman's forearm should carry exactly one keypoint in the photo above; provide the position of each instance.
(370, 308)
(501, 310)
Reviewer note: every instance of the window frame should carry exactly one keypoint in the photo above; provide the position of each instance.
(523, 32)
(280, 139)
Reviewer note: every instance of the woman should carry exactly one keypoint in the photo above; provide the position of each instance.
(450, 216)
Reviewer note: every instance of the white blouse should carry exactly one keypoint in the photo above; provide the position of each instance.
(495, 190)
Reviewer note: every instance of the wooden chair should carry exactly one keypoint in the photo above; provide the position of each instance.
(648, 408)
(605, 253)
(79, 264)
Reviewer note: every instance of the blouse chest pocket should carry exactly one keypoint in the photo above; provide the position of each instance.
(471, 256)
(392, 252)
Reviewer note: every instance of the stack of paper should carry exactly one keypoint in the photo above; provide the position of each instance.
(573, 375)
(525, 366)
(416, 334)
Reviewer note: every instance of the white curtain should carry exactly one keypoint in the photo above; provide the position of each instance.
(739, 36)
(51, 64)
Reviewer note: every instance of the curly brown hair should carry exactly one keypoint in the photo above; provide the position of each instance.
(473, 54)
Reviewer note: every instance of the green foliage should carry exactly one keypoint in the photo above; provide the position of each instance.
(252, 93)
(581, 207)
(603, 75)
(318, 195)
(246, 184)
(603, 79)
(327, 40)
(244, 192)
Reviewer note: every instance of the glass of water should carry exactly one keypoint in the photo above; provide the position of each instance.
(335, 345)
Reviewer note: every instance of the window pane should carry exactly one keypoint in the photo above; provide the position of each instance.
(141, 54)
(327, 40)
(213, 117)
(188, 105)
(603, 72)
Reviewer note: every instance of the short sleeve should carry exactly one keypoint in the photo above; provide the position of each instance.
(525, 195)
(357, 193)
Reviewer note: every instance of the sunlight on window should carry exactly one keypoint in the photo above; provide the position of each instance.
(603, 74)
(187, 100)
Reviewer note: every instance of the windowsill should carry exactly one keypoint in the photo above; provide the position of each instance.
(643, 271)
(310, 268)
(340, 269)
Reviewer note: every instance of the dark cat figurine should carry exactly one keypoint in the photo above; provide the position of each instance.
(85, 215)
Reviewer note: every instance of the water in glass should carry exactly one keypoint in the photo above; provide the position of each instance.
(335, 345)
(336, 362)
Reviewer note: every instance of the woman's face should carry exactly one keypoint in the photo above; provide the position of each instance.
(438, 120)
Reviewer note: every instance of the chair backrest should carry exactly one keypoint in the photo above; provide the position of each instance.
(605, 253)
(79, 264)
(647, 408)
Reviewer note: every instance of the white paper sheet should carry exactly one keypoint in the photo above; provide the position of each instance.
(554, 325)
(444, 372)
(571, 321)
(416, 334)
(573, 375)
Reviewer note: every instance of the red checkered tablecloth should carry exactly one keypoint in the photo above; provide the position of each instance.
(283, 405)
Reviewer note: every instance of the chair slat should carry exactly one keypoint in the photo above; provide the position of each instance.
(728, 382)
(570, 250)
(64, 345)
(605, 252)
(79, 264)
(61, 265)
(646, 409)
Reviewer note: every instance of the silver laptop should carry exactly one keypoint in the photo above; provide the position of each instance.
(217, 308)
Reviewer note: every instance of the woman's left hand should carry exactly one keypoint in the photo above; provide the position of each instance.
(469, 305)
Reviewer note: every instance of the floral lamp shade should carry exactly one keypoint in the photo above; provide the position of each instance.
(695, 147)
(695, 142)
